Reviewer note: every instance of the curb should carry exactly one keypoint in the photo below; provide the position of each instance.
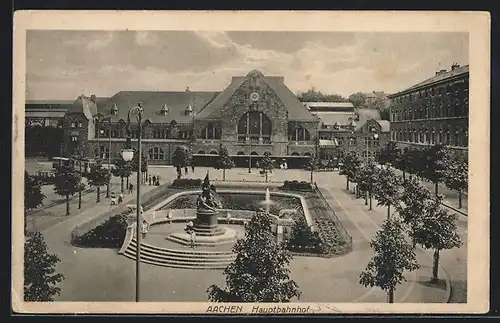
(448, 285)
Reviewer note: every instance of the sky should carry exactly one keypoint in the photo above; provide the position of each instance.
(61, 65)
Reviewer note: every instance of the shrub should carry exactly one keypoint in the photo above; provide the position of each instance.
(186, 183)
(297, 186)
(304, 240)
(109, 234)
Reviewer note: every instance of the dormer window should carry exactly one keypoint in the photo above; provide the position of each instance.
(189, 110)
(73, 125)
(80, 125)
(336, 126)
(114, 109)
(164, 110)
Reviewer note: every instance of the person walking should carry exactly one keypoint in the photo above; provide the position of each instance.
(185, 170)
(130, 188)
(192, 167)
(154, 179)
(149, 179)
(193, 239)
(120, 198)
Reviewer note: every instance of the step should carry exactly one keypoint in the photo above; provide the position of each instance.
(220, 242)
(198, 262)
(180, 252)
(179, 264)
(182, 258)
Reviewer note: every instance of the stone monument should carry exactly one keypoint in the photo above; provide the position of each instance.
(207, 206)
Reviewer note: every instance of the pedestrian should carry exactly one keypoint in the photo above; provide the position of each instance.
(120, 198)
(185, 170)
(154, 179)
(193, 238)
(192, 167)
(149, 179)
(130, 188)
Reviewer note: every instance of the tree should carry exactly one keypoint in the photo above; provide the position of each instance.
(260, 271)
(392, 256)
(79, 156)
(312, 95)
(67, 182)
(312, 165)
(367, 179)
(97, 177)
(412, 207)
(33, 196)
(180, 159)
(388, 155)
(456, 177)
(350, 166)
(387, 189)
(266, 164)
(122, 169)
(40, 277)
(358, 100)
(436, 160)
(144, 164)
(224, 162)
(437, 230)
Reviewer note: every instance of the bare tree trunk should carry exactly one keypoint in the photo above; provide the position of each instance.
(266, 175)
(435, 265)
(223, 174)
(67, 204)
(388, 211)
(404, 176)
(390, 296)
(121, 184)
(311, 176)
(127, 181)
(80, 198)
(370, 193)
(459, 199)
(347, 186)
(98, 194)
(436, 188)
(366, 198)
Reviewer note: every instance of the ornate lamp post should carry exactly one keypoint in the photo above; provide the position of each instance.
(128, 155)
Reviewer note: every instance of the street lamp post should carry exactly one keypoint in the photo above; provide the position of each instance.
(109, 157)
(250, 156)
(128, 155)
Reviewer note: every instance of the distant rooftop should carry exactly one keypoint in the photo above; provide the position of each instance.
(329, 106)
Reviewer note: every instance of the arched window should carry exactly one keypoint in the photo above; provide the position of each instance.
(256, 126)
(201, 152)
(156, 153)
(213, 152)
(295, 153)
(253, 153)
(307, 154)
(210, 132)
(299, 134)
(239, 153)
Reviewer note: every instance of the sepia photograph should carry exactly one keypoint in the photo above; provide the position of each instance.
(263, 169)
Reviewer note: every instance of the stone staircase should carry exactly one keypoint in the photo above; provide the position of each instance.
(187, 259)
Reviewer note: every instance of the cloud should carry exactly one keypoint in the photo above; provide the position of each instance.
(61, 64)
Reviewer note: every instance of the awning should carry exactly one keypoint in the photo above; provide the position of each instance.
(325, 142)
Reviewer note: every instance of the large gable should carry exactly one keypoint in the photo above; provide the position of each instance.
(296, 110)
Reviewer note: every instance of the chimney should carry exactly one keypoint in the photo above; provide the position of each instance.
(454, 66)
(442, 71)
(92, 98)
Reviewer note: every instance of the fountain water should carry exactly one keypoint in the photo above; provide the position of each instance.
(267, 202)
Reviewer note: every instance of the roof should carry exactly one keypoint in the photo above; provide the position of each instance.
(45, 113)
(48, 103)
(296, 110)
(368, 114)
(330, 118)
(84, 105)
(385, 126)
(153, 102)
(438, 78)
(329, 106)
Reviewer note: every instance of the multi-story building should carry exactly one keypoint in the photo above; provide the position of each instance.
(342, 129)
(434, 111)
(253, 115)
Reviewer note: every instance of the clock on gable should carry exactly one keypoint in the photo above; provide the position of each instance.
(254, 96)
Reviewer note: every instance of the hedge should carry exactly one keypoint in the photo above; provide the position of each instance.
(297, 186)
(186, 183)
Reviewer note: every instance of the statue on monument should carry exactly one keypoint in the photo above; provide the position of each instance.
(207, 199)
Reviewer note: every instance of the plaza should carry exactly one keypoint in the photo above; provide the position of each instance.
(103, 275)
